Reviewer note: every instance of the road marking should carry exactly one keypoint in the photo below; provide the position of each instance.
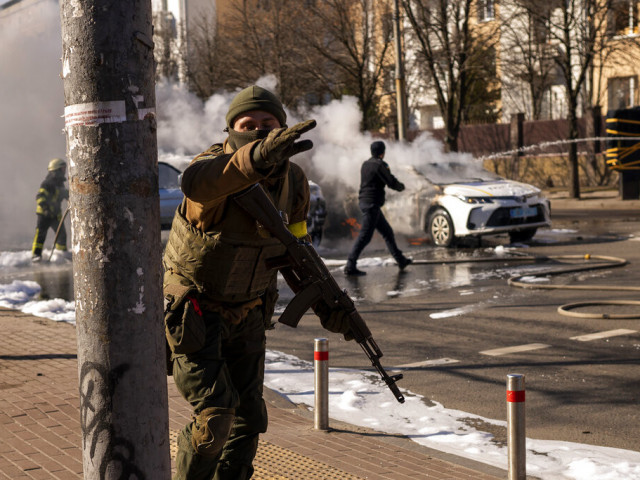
(518, 348)
(429, 363)
(607, 334)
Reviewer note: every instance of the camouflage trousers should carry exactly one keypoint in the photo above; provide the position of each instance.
(227, 373)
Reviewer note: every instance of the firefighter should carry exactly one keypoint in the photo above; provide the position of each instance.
(48, 208)
(219, 295)
(375, 175)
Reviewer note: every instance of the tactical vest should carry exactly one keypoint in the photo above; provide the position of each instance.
(226, 263)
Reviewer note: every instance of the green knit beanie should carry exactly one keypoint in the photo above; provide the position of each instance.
(255, 98)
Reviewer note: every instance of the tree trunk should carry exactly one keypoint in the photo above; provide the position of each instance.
(450, 133)
(574, 172)
(108, 75)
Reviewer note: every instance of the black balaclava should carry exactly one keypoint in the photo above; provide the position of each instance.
(240, 139)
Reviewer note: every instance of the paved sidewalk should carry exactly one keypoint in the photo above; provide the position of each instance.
(592, 200)
(40, 423)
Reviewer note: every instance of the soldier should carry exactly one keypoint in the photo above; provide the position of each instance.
(219, 295)
(374, 176)
(48, 208)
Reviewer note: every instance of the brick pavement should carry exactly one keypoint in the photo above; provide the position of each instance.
(40, 423)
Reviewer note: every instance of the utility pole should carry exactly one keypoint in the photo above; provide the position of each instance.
(110, 128)
(401, 94)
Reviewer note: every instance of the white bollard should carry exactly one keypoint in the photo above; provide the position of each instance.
(321, 395)
(516, 436)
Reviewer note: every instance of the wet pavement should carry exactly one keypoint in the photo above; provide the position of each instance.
(586, 221)
(580, 391)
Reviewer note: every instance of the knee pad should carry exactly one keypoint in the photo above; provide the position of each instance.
(211, 429)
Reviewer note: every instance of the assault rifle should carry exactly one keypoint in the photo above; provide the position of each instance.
(309, 278)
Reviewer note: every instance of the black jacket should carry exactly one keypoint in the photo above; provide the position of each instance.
(374, 176)
(50, 195)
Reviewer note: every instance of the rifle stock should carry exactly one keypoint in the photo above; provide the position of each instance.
(310, 280)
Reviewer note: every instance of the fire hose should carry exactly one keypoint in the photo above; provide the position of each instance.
(602, 263)
(55, 238)
(608, 262)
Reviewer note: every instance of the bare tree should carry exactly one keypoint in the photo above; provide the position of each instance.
(354, 39)
(527, 57)
(579, 33)
(262, 38)
(204, 63)
(454, 57)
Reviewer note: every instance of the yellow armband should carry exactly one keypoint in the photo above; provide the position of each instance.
(299, 229)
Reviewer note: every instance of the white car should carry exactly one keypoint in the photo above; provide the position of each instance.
(473, 207)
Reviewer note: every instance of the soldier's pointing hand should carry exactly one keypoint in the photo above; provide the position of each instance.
(281, 144)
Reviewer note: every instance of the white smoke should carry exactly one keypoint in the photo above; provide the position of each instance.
(340, 147)
(32, 102)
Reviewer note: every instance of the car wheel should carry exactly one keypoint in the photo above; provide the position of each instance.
(522, 235)
(440, 228)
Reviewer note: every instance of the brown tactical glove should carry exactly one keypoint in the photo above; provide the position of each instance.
(281, 144)
(334, 320)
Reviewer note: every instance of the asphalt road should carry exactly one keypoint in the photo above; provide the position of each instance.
(446, 317)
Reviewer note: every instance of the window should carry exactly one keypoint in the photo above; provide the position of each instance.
(540, 25)
(622, 92)
(486, 10)
(624, 18)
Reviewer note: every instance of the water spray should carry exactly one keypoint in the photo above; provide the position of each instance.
(542, 145)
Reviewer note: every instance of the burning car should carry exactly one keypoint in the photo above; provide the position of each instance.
(317, 213)
(457, 206)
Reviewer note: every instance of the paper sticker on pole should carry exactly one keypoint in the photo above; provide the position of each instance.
(92, 114)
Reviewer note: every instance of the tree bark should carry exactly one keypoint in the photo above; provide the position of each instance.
(574, 170)
(110, 128)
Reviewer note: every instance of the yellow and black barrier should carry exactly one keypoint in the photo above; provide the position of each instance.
(624, 155)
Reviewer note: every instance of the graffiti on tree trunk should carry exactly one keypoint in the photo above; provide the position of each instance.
(116, 454)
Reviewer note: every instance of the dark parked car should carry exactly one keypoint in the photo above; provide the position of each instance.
(170, 194)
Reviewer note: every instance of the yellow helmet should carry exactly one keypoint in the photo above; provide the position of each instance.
(56, 164)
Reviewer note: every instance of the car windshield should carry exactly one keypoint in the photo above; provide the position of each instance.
(444, 173)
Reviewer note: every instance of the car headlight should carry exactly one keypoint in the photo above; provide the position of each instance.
(474, 199)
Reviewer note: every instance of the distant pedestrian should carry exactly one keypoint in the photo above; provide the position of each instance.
(48, 208)
(375, 175)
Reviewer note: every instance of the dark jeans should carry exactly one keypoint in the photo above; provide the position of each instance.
(372, 220)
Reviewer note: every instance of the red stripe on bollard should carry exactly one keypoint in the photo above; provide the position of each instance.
(515, 396)
(321, 356)
(321, 384)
